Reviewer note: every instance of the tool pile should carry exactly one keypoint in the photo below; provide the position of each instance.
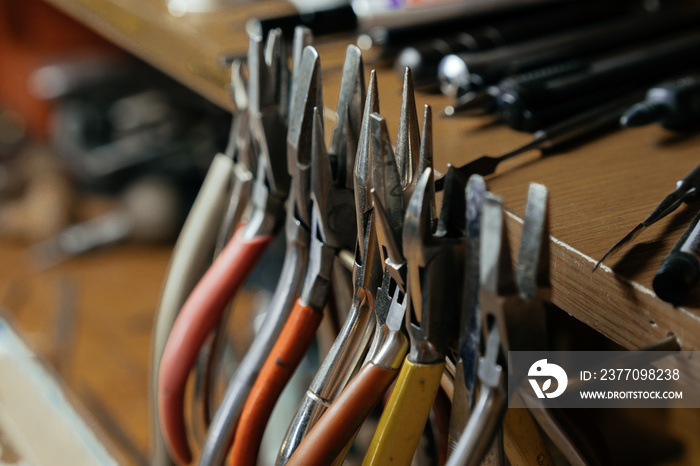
(434, 303)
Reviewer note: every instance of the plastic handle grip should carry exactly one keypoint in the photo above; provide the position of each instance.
(405, 414)
(294, 341)
(189, 261)
(198, 317)
(345, 416)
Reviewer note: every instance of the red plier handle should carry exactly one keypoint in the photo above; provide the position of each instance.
(199, 315)
(291, 346)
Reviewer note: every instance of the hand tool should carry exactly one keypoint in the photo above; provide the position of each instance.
(326, 441)
(332, 200)
(512, 312)
(346, 354)
(685, 189)
(378, 19)
(527, 105)
(674, 104)
(245, 164)
(306, 94)
(423, 56)
(431, 316)
(206, 370)
(680, 271)
(603, 115)
(467, 345)
(513, 316)
(474, 71)
(205, 305)
(330, 234)
(193, 250)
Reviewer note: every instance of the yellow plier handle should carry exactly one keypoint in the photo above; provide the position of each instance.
(403, 420)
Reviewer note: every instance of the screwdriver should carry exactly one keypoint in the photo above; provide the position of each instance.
(460, 73)
(674, 104)
(529, 101)
(547, 138)
(423, 57)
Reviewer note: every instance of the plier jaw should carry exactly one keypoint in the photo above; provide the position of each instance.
(268, 76)
(344, 139)
(329, 230)
(435, 297)
(515, 301)
(307, 96)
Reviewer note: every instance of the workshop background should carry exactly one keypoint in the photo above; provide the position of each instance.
(111, 112)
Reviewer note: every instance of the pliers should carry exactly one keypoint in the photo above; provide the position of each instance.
(349, 348)
(331, 204)
(244, 168)
(431, 318)
(512, 308)
(229, 177)
(206, 304)
(334, 431)
(467, 345)
(306, 94)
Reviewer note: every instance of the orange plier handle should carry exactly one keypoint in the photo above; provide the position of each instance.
(291, 346)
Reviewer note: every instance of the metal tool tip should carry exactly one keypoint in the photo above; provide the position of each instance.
(619, 245)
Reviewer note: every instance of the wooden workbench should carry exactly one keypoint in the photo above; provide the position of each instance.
(598, 192)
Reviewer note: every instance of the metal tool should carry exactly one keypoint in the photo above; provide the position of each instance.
(328, 440)
(329, 236)
(347, 352)
(467, 346)
(512, 312)
(332, 203)
(194, 248)
(685, 189)
(307, 93)
(207, 369)
(431, 318)
(207, 302)
(245, 163)
(601, 116)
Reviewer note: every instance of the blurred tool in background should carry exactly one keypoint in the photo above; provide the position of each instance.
(423, 57)
(673, 104)
(120, 128)
(468, 72)
(529, 101)
(680, 271)
(378, 18)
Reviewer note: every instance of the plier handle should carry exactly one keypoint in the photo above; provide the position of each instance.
(328, 440)
(329, 199)
(205, 306)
